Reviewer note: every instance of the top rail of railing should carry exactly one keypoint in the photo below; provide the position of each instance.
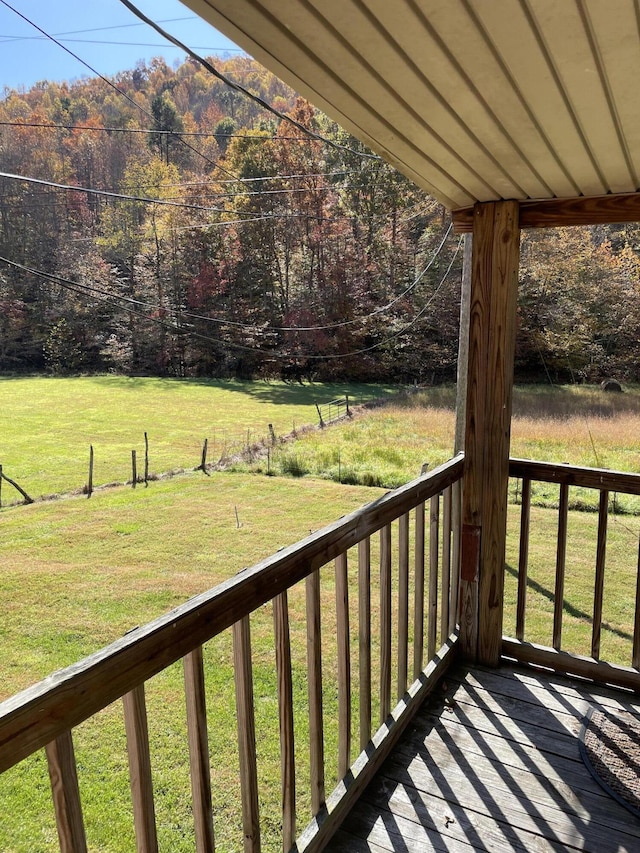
(36, 716)
(571, 475)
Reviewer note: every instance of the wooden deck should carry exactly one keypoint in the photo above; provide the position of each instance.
(492, 763)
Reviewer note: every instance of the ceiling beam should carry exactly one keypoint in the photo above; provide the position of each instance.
(557, 212)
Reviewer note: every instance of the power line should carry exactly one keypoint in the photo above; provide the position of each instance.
(131, 302)
(99, 29)
(198, 133)
(241, 89)
(113, 86)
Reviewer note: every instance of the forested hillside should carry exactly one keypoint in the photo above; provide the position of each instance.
(173, 226)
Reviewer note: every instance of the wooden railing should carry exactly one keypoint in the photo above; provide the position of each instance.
(587, 662)
(418, 556)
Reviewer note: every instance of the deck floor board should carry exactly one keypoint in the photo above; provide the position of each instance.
(493, 763)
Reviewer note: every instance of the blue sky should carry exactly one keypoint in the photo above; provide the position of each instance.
(104, 33)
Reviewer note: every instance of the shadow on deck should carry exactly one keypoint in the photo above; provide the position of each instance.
(492, 762)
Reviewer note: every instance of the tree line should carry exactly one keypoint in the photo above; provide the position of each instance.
(172, 226)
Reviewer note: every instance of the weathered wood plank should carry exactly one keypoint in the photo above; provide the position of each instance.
(561, 558)
(456, 521)
(446, 565)
(243, 670)
(500, 798)
(560, 212)
(635, 653)
(403, 603)
(364, 638)
(36, 716)
(198, 738)
(572, 475)
(418, 600)
(523, 557)
(599, 671)
(341, 801)
(314, 689)
(344, 664)
(385, 623)
(137, 730)
(496, 251)
(561, 692)
(434, 569)
(285, 718)
(66, 794)
(598, 593)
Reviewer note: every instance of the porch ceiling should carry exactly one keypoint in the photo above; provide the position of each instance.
(474, 100)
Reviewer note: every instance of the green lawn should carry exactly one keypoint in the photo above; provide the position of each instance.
(76, 574)
(48, 423)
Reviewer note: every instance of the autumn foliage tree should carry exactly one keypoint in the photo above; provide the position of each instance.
(181, 229)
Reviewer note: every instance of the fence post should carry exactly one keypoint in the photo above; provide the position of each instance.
(90, 483)
(134, 469)
(146, 460)
(203, 459)
(346, 398)
(0, 486)
(320, 416)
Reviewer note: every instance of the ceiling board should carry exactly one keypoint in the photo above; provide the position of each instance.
(472, 99)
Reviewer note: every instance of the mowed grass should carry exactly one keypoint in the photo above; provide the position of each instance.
(48, 424)
(77, 574)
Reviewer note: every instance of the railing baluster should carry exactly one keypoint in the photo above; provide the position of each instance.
(456, 518)
(446, 565)
(137, 730)
(364, 638)
(418, 604)
(285, 712)
(432, 627)
(403, 602)
(66, 794)
(560, 566)
(314, 687)
(385, 622)
(598, 594)
(246, 734)
(523, 558)
(344, 665)
(199, 750)
(635, 654)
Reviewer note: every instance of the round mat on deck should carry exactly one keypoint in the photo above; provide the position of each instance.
(610, 747)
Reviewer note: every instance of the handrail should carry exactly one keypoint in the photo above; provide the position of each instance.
(41, 713)
(604, 482)
(571, 475)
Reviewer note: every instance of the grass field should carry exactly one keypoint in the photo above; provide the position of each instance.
(76, 574)
(48, 423)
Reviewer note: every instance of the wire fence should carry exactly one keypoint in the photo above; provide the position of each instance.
(221, 448)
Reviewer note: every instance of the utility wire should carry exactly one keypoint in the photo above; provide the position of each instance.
(93, 290)
(206, 134)
(114, 87)
(99, 29)
(241, 89)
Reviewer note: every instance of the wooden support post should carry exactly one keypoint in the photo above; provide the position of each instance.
(146, 460)
(496, 252)
(134, 470)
